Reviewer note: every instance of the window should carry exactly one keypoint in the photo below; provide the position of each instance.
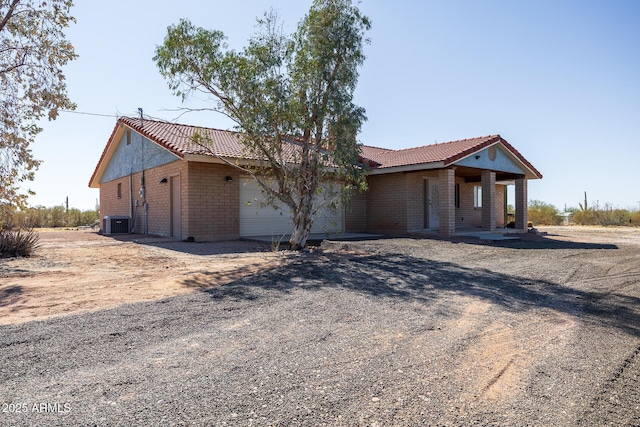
(477, 196)
(128, 137)
(119, 190)
(457, 196)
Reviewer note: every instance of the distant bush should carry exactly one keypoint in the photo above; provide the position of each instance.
(541, 213)
(57, 216)
(16, 242)
(606, 216)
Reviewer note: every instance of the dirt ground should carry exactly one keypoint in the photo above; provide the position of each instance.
(398, 331)
(79, 270)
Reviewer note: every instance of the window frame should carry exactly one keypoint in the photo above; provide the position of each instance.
(477, 196)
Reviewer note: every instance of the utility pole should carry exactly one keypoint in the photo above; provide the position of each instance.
(66, 203)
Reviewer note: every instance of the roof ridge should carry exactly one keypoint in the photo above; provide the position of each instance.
(378, 148)
(481, 138)
(166, 122)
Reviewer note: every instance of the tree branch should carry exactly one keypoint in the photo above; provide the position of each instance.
(9, 14)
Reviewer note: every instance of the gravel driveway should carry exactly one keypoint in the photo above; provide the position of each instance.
(388, 332)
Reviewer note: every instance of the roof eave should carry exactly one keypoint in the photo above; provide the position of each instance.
(116, 134)
(407, 168)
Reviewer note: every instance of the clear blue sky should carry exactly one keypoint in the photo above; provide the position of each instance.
(559, 80)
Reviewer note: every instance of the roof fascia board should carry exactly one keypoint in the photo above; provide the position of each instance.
(203, 158)
(529, 173)
(106, 158)
(407, 168)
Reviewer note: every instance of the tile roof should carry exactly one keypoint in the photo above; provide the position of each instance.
(178, 139)
(446, 153)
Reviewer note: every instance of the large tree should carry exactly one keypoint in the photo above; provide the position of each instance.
(291, 98)
(33, 49)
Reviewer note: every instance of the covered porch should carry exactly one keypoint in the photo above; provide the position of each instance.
(489, 192)
(443, 188)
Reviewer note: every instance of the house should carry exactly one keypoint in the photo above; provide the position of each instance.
(152, 175)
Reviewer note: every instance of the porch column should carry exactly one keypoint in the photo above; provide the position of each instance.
(447, 206)
(488, 200)
(521, 204)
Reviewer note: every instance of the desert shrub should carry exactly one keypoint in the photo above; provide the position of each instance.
(613, 217)
(541, 213)
(584, 217)
(17, 242)
(606, 216)
(56, 216)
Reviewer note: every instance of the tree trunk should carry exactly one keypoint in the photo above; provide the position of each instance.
(302, 222)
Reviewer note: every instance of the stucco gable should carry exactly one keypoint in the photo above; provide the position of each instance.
(495, 158)
(134, 154)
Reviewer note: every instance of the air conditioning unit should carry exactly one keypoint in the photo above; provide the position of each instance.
(115, 224)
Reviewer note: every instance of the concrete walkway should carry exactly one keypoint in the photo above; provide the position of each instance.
(314, 237)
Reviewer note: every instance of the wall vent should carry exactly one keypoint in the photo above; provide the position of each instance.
(115, 224)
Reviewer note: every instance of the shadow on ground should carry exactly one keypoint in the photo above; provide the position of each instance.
(10, 294)
(409, 279)
(522, 241)
(193, 248)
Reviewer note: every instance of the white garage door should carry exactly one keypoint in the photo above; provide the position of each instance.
(267, 221)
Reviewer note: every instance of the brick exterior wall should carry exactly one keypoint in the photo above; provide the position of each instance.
(500, 207)
(110, 203)
(415, 197)
(447, 202)
(157, 196)
(394, 203)
(489, 200)
(467, 216)
(355, 213)
(387, 203)
(209, 204)
(212, 208)
(521, 204)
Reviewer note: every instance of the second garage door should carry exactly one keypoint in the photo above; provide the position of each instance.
(267, 221)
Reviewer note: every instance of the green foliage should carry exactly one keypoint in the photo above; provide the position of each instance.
(291, 97)
(606, 216)
(33, 50)
(541, 213)
(41, 217)
(18, 242)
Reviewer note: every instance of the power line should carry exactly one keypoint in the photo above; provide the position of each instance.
(89, 114)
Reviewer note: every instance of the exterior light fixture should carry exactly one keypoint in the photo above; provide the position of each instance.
(163, 181)
(228, 178)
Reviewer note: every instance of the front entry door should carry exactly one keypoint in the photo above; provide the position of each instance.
(432, 204)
